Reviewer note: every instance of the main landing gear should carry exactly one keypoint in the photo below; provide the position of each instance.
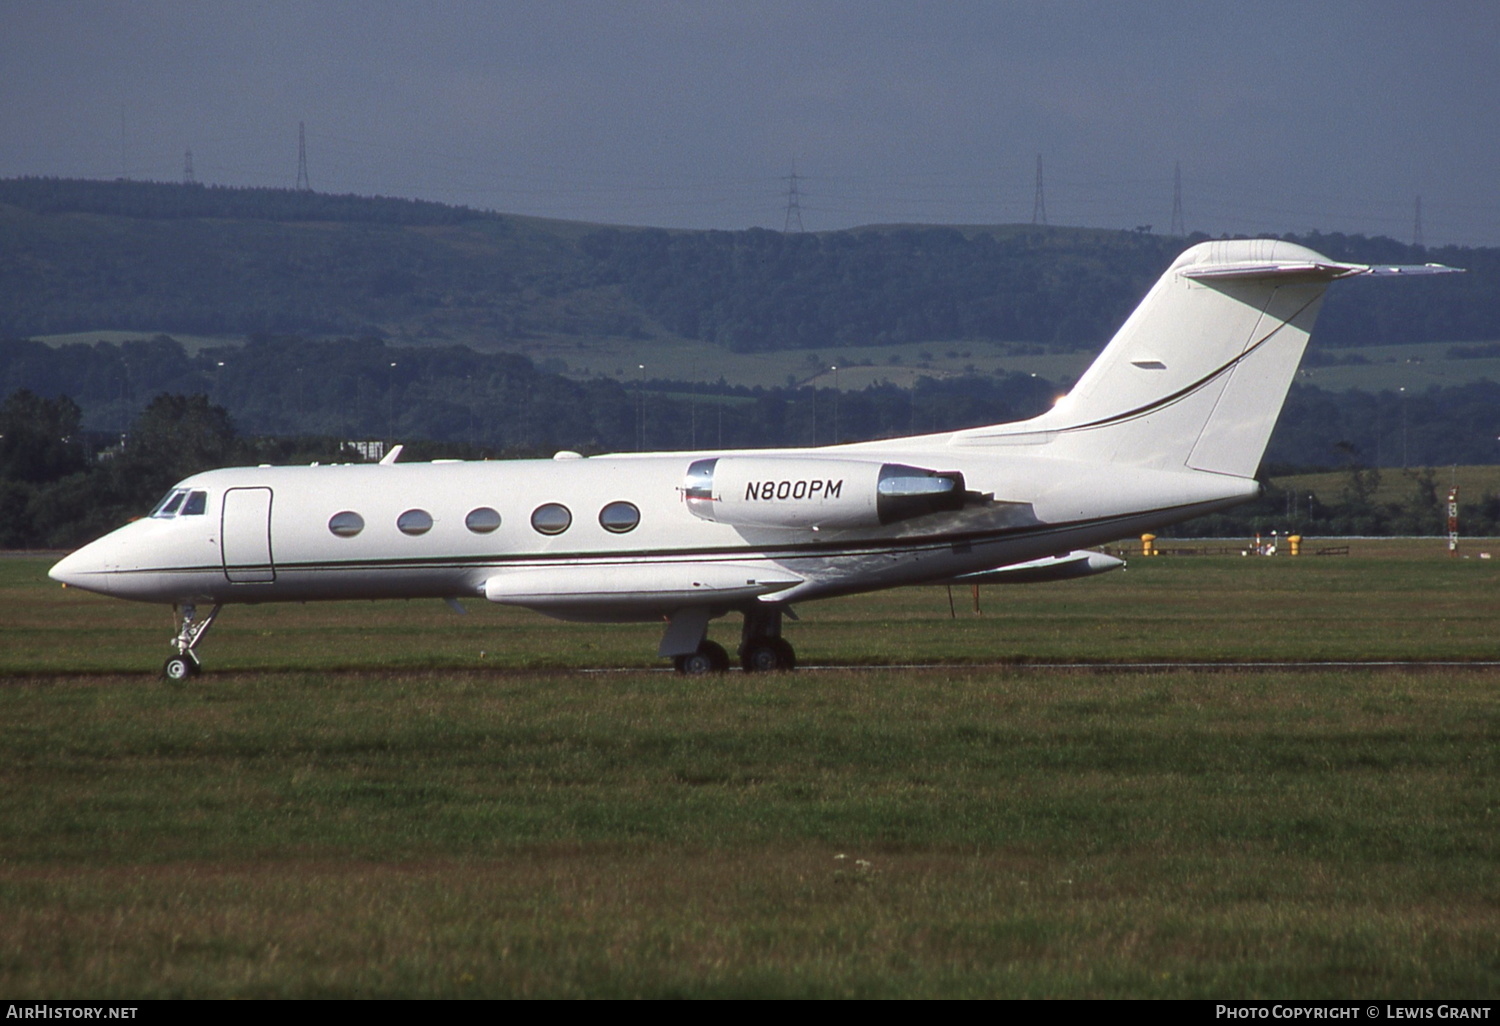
(185, 663)
(762, 648)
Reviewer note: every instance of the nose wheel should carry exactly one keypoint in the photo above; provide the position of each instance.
(185, 663)
(181, 667)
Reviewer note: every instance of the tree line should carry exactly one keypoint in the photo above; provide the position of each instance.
(367, 388)
(92, 434)
(173, 201)
(58, 491)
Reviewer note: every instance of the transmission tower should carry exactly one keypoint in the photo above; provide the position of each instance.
(1039, 205)
(302, 183)
(793, 204)
(1178, 228)
(188, 178)
(1416, 231)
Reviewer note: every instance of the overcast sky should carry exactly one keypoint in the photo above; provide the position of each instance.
(1283, 116)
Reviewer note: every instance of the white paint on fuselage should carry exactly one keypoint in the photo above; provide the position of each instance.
(179, 559)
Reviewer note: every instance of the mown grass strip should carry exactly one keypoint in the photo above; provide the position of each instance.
(1002, 833)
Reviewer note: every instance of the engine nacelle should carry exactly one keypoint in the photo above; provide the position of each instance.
(815, 492)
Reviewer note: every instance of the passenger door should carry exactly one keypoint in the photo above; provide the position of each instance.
(245, 536)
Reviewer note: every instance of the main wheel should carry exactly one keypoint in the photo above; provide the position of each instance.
(717, 657)
(180, 667)
(768, 655)
(710, 658)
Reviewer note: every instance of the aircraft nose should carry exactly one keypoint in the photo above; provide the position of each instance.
(87, 568)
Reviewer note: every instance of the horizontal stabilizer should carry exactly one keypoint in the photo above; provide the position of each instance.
(1308, 270)
(1410, 269)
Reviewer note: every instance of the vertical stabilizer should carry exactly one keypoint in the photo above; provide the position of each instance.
(1197, 375)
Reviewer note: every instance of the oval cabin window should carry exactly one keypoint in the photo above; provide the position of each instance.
(346, 524)
(482, 520)
(619, 517)
(553, 518)
(414, 521)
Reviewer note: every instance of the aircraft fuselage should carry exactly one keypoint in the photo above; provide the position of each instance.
(446, 529)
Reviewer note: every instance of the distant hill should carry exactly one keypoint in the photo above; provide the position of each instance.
(195, 260)
(147, 257)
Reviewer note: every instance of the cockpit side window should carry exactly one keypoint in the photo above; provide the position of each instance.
(168, 506)
(196, 503)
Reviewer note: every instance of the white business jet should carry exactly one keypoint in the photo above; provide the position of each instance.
(1170, 422)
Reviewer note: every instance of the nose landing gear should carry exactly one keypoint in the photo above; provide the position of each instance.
(181, 667)
(185, 663)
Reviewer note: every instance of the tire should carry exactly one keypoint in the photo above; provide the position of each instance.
(768, 655)
(710, 658)
(717, 656)
(180, 667)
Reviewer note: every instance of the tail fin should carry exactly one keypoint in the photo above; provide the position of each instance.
(1197, 375)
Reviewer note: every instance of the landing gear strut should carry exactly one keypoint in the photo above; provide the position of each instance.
(762, 648)
(185, 663)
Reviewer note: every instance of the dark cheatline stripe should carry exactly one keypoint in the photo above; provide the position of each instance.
(1185, 391)
(830, 550)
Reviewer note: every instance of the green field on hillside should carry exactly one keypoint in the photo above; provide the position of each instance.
(1397, 483)
(1415, 367)
(94, 259)
(668, 357)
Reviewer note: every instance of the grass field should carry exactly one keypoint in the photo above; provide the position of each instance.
(352, 801)
(1416, 366)
(1398, 484)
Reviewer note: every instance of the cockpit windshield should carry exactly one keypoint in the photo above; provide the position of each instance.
(168, 506)
(181, 502)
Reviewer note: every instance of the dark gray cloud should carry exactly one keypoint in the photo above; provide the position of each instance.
(1284, 117)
